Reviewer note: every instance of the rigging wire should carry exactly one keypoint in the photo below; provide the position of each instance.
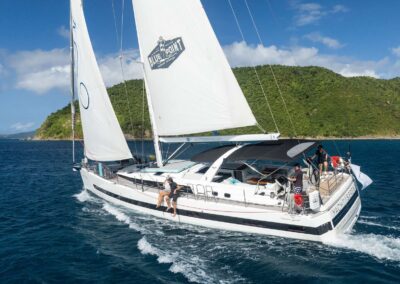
(295, 63)
(254, 68)
(121, 56)
(270, 67)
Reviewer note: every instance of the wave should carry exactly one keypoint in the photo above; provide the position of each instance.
(183, 258)
(146, 248)
(191, 268)
(83, 196)
(370, 223)
(122, 217)
(118, 214)
(193, 261)
(369, 217)
(378, 246)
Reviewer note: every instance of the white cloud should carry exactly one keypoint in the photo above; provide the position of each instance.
(353, 71)
(110, 67)
(396, 51)
(241, 54)
(41, 71)
(19, 126)
(2, 70)
(311, 13)
(339, 9)
(23, 61)
(327, 41)
(63, 32)
(308, 13)
(43, 81)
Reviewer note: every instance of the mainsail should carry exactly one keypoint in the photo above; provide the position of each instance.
(104, 140)
(191, 85)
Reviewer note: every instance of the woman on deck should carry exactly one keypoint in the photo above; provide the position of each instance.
(164, 193)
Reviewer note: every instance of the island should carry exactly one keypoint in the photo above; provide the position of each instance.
(321, 104)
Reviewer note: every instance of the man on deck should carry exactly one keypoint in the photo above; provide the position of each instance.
(297, 179)
(322, 159)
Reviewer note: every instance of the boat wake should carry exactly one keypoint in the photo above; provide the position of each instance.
(374, 224)
(198, 253)
(378, 246)
(180, 252)
(193, 269)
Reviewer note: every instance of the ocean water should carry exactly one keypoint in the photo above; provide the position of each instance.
(53, 231)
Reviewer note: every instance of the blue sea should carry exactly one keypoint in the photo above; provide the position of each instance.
(53, 231)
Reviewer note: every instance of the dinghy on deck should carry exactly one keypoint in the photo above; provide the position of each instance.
(241, 185)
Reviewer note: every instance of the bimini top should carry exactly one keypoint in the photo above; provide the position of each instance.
(285, 150)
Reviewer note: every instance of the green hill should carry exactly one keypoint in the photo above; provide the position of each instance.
(320, 102)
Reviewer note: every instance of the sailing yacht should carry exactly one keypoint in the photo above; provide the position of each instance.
(240, 185)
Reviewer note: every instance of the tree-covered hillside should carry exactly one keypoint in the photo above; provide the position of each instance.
(320, 102)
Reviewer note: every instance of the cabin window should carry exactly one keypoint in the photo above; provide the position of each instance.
(218, 179)
(238, 175)
(227, 195)
(215, 193)
(203, 170)
(224, 175)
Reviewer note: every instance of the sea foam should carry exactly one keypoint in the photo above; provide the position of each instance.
(378, 246)
(192, 267)
(83, 196)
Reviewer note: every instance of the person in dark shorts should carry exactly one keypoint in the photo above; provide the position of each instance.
(297, 179)
(174, 194)
(322, 159)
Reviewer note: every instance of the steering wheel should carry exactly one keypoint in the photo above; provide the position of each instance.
(282, 180)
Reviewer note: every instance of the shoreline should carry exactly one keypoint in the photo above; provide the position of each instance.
(319, 138)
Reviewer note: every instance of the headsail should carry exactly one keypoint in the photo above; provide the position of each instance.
(104, 140)
(192, 87)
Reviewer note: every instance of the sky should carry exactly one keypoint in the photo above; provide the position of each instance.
(352, 38)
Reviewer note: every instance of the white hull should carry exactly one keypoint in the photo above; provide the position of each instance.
(224, 192)
(337, 219)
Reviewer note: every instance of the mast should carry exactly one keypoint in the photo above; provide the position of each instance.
(156, 138)
(72, 85)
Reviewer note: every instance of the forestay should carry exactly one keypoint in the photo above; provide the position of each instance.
(192, 87)
(104, 140)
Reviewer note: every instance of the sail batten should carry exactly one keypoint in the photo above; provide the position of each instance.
(192, 87)
(103, 137)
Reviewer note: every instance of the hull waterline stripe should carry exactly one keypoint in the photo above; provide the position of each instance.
(320, 230)
(345, 209)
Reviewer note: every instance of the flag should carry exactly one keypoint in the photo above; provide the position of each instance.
(360, 176)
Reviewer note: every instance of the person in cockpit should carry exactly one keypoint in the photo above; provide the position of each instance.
(297, 179)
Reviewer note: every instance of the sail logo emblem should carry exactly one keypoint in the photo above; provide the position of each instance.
(165, 53)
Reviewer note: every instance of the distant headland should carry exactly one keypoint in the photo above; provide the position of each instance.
(322, 104)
